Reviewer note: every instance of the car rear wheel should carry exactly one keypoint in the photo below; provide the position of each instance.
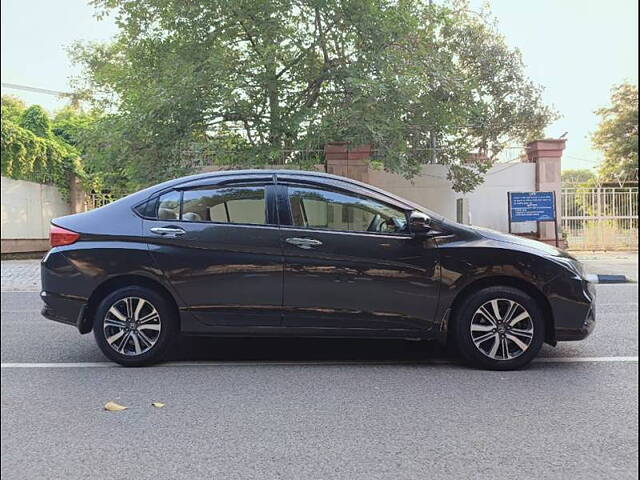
(499, 328)
(134, 326)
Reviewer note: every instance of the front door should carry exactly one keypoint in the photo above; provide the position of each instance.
(219, 246)
(350, 263)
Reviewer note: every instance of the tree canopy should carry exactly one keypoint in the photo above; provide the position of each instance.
(36, 120)
(71, 124)
(617, 134)
(12, 108)
(577, 176)
(251, 79)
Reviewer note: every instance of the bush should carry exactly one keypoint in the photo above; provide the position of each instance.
(26, 156)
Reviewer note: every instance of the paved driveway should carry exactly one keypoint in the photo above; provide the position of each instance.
(297, 409)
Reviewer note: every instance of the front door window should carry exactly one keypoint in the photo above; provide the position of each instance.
(331, 210)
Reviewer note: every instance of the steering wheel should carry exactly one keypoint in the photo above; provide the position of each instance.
(376, 221)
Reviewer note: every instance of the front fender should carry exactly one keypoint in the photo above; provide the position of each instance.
(464, 266)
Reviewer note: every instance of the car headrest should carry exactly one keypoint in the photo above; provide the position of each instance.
(191, 217)
(167, 214)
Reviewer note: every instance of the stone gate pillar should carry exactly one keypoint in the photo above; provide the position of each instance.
(547, 155)
(77, 197)
(348, 162)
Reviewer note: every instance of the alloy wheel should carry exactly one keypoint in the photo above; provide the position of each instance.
(502, 329)
(132, 326)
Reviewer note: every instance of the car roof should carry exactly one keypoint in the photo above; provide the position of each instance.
(281, 172)
(271, 171)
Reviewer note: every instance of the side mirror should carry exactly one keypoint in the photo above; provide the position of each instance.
(419, 222)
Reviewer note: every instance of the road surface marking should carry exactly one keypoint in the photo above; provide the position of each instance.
(584, 359)
(303, 363)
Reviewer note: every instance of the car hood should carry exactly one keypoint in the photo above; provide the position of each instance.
(520, 241)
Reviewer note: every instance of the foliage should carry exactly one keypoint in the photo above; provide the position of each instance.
(27, 156)
(71, 124)
(36, 120)
(617, 134)
(115, 150)
(604, 235)
(12, 108)
(291, 75)
(31, 151)
(577, 176)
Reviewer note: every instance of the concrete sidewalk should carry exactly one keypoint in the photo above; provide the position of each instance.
(24, 275)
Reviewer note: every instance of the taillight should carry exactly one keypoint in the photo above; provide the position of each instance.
(59, 236)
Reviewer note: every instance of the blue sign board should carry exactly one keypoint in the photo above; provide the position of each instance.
(532, 206)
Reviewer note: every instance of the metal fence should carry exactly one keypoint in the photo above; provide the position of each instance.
(600, 218)
(97, 200)
(194, 157)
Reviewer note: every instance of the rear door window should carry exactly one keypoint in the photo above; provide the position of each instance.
(236, 204)
(169, 206)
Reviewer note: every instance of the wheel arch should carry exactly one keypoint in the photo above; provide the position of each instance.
(112, 284)
(506, 281)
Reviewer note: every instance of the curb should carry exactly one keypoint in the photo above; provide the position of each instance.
(604, 278)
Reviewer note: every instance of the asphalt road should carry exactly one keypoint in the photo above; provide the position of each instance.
(312, 409)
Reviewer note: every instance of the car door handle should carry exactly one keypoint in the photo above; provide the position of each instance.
(168, 231)
(305, 243)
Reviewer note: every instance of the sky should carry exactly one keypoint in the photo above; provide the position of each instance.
(576, 49)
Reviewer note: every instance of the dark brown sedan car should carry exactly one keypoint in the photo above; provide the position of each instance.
(286, 253)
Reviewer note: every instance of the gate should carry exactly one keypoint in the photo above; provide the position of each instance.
(600, 218)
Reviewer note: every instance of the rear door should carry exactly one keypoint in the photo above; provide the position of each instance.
(351, 264)
(218, 244)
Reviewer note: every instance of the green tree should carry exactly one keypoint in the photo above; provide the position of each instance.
(71, 124)
(294, 74)
(617, 134)
(36, 120)
(577, 176)
(12, 108)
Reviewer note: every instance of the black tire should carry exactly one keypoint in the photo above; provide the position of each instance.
(167, 333)
(474, 355)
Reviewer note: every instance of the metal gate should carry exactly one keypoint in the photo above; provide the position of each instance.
(600, 218)
(97, 200)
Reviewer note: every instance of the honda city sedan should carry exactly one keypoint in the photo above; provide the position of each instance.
(302, 254)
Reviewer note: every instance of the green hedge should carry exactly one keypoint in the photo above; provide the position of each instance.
(26, 156)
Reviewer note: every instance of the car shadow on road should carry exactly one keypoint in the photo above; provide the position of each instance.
(307, 349)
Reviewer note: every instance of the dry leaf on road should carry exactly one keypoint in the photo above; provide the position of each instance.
(158, 404)
(114, 407)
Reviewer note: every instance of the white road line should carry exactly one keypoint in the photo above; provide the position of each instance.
(584, 359)
(58, 365)
(306, 363)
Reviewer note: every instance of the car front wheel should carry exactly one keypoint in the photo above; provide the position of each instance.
(499, 328)
(133, 326)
